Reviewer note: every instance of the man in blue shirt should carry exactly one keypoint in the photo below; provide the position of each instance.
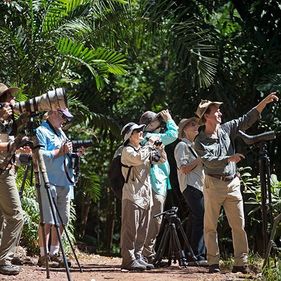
(159, 174)
(55, 149)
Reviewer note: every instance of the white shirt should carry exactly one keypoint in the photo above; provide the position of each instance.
(184, 155)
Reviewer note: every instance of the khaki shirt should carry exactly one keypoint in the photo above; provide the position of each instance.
(4, 137)
(138, 188)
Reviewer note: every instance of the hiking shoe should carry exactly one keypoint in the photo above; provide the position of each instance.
(9, 269)
(134, 265)
(243, 269)
(42, 261)
(142, 261)
(57, 258)
(214, 268)
(17, 261)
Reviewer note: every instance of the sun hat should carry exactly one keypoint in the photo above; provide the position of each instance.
(128, 129)
(203, 106)
(183, 123)
(5, 89)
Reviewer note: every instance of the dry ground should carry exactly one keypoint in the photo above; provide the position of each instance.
(100, 268)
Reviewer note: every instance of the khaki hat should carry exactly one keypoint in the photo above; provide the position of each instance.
(203, 106)
(183, 123)
(4, 89)
(128, 129)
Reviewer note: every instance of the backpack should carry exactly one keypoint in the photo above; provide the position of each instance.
(116, 178)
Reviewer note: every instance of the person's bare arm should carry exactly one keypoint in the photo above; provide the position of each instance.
(268, 99)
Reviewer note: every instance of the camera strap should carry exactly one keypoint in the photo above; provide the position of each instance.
(192, 151)
(65, 170)
(52, 128)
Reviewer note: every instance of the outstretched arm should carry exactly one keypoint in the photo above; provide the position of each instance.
(268, 99)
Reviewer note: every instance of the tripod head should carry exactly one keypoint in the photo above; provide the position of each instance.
(169, 213)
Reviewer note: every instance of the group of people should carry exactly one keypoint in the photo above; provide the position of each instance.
(207, 174)
(206, 165)
(57, 152)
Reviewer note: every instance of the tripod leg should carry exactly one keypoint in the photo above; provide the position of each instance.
(176, 245)
(186, 241)
(42, 223)
(162, 246)
(41, 165)
(24, 180)
(68, 239)
(271, 242)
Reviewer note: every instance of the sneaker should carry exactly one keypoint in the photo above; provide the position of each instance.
(42, 261)
(134, 265)
(243, 269)
(214, 268)
(57, 258)
(142, 261)
(9, 269)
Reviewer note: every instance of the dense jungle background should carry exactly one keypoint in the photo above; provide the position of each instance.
(119, 58)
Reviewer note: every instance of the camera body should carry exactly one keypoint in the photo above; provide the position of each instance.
(155, 156)
(158, 143)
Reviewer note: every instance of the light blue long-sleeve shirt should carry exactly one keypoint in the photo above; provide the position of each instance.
(56, 169)
(159, 174)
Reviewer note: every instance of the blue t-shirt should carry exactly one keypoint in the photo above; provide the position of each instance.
(159, 173)
(57, 168)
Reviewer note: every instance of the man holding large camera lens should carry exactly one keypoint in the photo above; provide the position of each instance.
(56, 151)
(10, 207)
(159, 127)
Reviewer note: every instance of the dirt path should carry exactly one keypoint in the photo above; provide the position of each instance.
(99, 268)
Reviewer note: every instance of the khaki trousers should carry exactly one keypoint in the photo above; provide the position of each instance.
(219, 194)
(133, 231)
(10, 209)
(154, 224)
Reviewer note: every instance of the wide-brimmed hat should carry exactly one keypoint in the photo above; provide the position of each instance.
(128, 129)
(5, 89)
(203, 106)
(183, 123)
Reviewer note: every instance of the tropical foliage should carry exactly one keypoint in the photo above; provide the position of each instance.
(120, 58)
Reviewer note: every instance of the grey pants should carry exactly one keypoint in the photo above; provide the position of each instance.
(133, 231)
(11, 212)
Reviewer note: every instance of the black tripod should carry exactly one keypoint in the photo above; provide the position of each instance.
(170, 240)
(264, 171)
(266, 198)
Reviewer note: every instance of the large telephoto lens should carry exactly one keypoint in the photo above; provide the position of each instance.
(52, 100)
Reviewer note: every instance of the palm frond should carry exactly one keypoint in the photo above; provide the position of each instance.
(99, 62)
